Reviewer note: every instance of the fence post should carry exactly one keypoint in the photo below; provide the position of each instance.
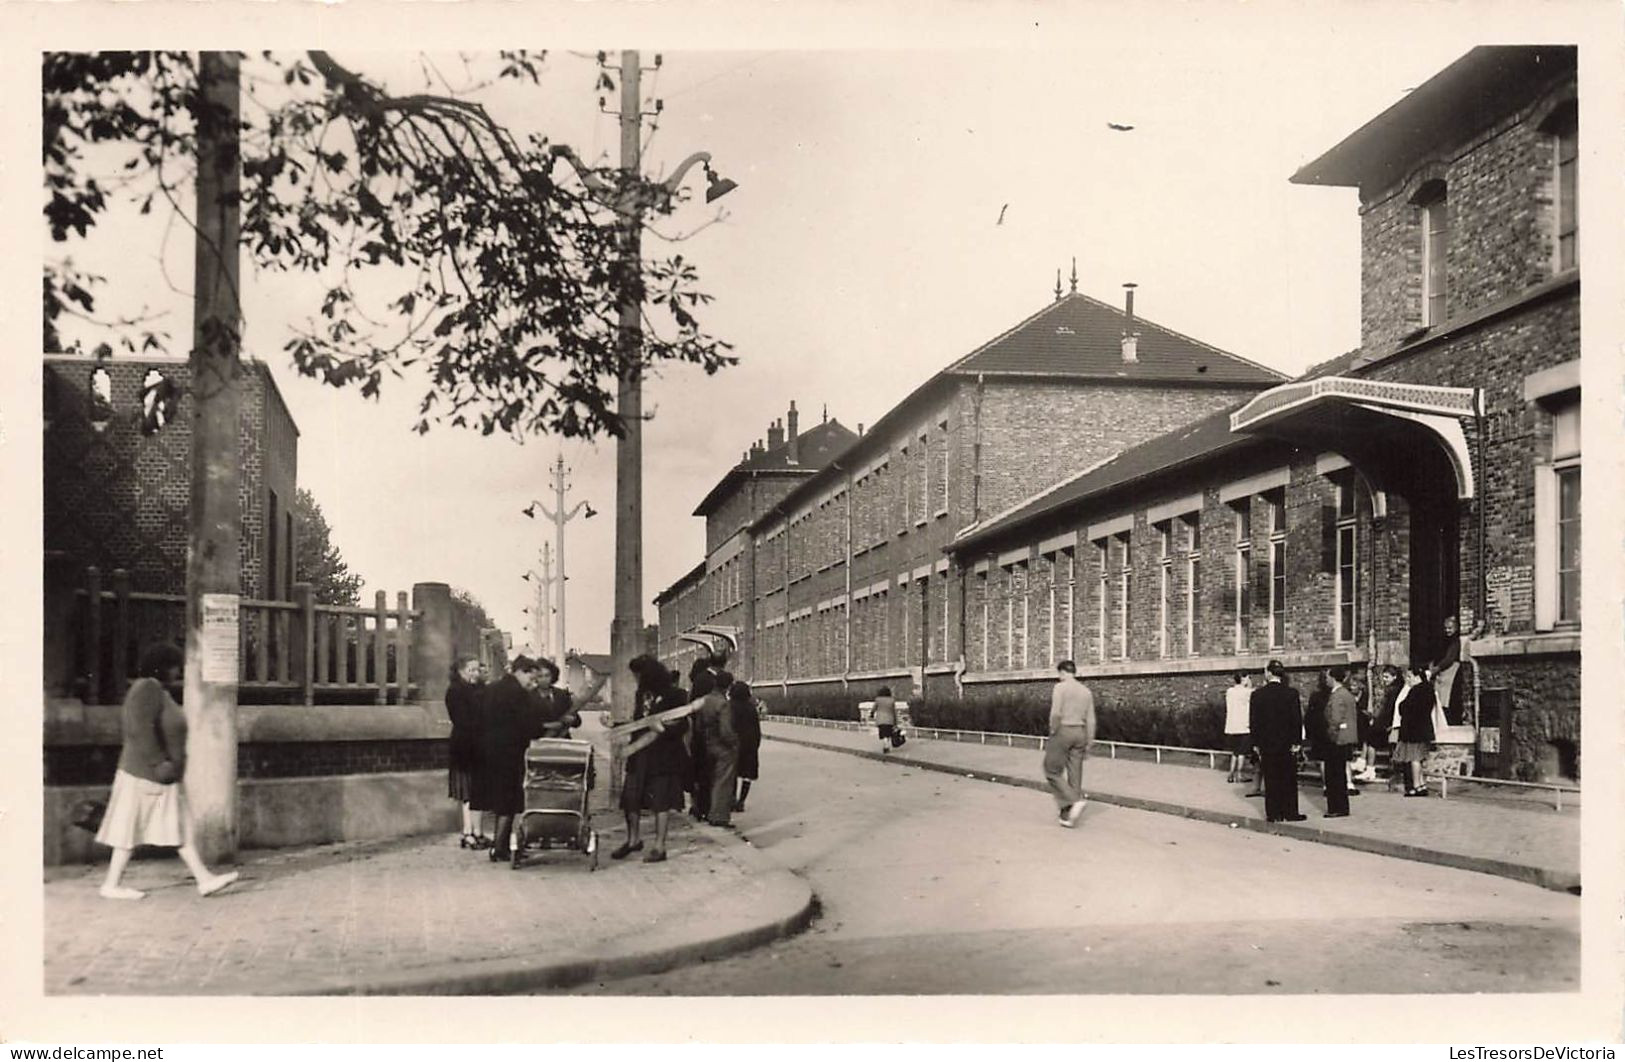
(380, 646)
(432, 647)
(303, 640)
(121, 633)
(403, 645)
(93, 635)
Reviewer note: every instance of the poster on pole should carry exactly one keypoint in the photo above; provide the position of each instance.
(219, 638)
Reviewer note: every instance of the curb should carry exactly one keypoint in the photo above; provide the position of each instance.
(791, 897)
(1544, 877)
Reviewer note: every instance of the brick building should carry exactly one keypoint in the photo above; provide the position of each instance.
(1431, 475)
(843, 584)
(117, 496)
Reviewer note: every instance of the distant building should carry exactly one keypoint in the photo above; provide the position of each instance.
(840, 577)
(588, 676)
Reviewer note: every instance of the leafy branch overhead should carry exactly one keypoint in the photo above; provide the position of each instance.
(502, 270)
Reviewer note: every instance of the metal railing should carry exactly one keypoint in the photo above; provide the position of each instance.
(1008, 740)
(1554, 788)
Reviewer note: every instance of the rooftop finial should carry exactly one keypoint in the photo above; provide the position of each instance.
(1057, 285)
(1074, 274)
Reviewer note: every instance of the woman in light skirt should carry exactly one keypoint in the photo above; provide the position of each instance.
(148, 803)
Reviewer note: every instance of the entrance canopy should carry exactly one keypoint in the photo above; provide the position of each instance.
(713, 636)
(1379, 426)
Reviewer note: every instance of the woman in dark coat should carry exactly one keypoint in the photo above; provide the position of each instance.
(1415, 709)
(657, 764)
(559, 716)
(463, 708)
(701, 680)
(511, 721)
(748, 725)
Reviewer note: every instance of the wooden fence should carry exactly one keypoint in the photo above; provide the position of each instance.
(288, 651)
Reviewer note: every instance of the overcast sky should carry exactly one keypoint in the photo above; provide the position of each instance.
(860, 253)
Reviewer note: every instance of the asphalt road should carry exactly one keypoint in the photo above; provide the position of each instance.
(931, 883)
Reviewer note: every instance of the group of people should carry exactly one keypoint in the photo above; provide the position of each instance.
(492, 723)
(710, 755)
(1340, 725)
(1270, 725)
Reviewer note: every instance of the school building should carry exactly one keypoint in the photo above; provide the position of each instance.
(1094, 487)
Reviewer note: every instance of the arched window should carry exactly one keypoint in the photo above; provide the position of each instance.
(101, 398)
(1433, 200)
(1563, 126)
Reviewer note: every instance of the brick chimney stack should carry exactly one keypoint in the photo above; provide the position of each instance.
(1131, 334)
(775, 436)
(795, 448)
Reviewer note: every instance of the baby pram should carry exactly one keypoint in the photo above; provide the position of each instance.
(558, 783)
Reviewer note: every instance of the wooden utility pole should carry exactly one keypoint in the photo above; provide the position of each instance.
(626, 628)
(215, 515)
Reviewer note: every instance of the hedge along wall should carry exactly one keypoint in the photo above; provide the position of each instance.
(1184, 709)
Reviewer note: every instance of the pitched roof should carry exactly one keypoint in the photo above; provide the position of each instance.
(1074, 337)
(602, 663)
(1470, 94)
(1078, 336)
(1199, 441)
(815, 447)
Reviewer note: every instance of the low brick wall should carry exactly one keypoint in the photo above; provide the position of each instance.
(306, 775)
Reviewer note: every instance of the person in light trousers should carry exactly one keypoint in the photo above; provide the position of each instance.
(1071, 729)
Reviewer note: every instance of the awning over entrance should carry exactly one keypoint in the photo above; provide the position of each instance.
(1375, 424)
(712, 636)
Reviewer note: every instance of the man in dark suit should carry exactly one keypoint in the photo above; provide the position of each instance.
(1275, 717)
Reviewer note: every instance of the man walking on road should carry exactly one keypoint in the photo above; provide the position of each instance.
(1342, 731)
(1275, 719)
(1071, 729)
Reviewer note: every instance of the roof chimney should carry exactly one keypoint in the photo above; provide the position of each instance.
(1131, 334)
(860, 428)
(775, 436)
(795, 449)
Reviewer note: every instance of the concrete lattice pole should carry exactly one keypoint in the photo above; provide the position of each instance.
(626, 628)
(212, 561)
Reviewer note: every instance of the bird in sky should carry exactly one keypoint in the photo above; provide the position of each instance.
(1001, 214)
(1118, 127)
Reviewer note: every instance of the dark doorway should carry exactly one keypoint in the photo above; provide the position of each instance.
(1435, 552)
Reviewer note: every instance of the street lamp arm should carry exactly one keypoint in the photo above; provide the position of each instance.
(670, 184)
(601, 189)
(580, 505)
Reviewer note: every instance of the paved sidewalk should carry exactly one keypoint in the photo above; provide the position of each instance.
(1519, 840)
(418, 916)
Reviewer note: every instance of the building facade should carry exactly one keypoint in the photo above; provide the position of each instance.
(839, 582)
(1429, 478)
(117, 484)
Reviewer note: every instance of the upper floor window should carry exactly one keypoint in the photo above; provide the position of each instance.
(1434, 202)
(1564, 128)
